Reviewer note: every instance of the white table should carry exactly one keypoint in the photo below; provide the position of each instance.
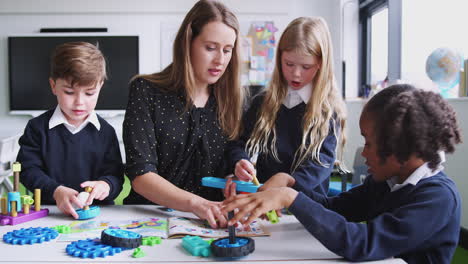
(289, 243)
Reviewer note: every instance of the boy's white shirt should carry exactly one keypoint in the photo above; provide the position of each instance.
(295, 97)
(58, 118)
(420, 173)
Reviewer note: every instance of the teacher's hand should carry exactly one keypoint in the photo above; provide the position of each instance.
(210, 211)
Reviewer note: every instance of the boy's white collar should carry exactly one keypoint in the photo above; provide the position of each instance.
(58, 118)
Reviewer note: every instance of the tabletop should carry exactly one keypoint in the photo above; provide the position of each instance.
(289, 242)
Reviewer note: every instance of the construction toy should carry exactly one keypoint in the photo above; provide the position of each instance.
(272, 216)
(241, 186)
(151, 241)
(243, 246)
(88, 212)
(16, 209)
(62, 229)
(196, 246)
(138, 253)
(92, 212)
(232, 246)
(121, 238)
(91, 249)
(30, 235)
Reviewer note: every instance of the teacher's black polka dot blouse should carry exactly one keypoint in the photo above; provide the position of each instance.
(181, 145)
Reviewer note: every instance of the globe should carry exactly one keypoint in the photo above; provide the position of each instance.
(443, 68)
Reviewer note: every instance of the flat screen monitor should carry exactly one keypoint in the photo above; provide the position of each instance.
(29, 71)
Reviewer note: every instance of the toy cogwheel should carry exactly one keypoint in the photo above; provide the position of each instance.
(91, 249)
(222, 248)
(121, 238)
(30, 235)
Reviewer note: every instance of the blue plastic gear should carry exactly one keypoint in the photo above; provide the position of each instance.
(92, 212)
(30, 235)
(121, 238)
(91, 249)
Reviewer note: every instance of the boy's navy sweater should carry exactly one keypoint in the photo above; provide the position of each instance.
(420, 224)
(53, 157)
(309, 175)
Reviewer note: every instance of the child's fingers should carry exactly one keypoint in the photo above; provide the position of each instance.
(279, 213)
(68, 208)
(88, 184)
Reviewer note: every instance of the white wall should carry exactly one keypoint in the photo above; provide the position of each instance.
(144, 18)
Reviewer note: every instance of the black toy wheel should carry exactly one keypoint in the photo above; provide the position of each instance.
(223, 249)
(121, 238)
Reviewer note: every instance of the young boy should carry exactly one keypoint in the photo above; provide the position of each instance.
(407, 208)
(71, 147)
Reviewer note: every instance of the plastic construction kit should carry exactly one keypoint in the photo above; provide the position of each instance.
(241, 186)
(30, 235)
(121, 238)
(242, 246)
(16, 208)
(91, 249)
(196, 246)
(84, 214)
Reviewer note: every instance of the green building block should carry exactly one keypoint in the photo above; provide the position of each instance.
(151, 241)
(138, 253)
(272, 216)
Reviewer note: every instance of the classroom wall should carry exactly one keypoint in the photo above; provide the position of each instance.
(456, 165)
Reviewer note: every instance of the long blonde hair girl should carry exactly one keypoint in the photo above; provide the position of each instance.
(179, 74)
(307, 36)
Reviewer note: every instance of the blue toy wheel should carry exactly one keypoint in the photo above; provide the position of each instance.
(242, 247)
(121, 238)
(92, 212)
(30, 235)
(91, 249)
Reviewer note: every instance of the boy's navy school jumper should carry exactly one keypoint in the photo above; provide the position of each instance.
(54, 157)
(288, 125)
(418, 223)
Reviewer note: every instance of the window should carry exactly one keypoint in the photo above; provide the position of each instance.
(380, 42)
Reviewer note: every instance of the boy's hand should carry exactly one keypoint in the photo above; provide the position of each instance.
(100, 190)
(278, 180)
(208, 210)
(244, 170)
(258, 203)
(65, 198)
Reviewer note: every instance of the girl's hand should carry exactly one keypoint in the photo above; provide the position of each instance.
(244, 170)
(210, 211)
(278, 180)
(256, 204)
(100, 190)
(65, 198)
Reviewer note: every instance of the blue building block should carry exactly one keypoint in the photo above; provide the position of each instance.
(31, 235)
(196, 246)
(220, 183)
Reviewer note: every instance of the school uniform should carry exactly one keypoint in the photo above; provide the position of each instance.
(163, 137)
(53, 152)
(309, 176)
(418, 220)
